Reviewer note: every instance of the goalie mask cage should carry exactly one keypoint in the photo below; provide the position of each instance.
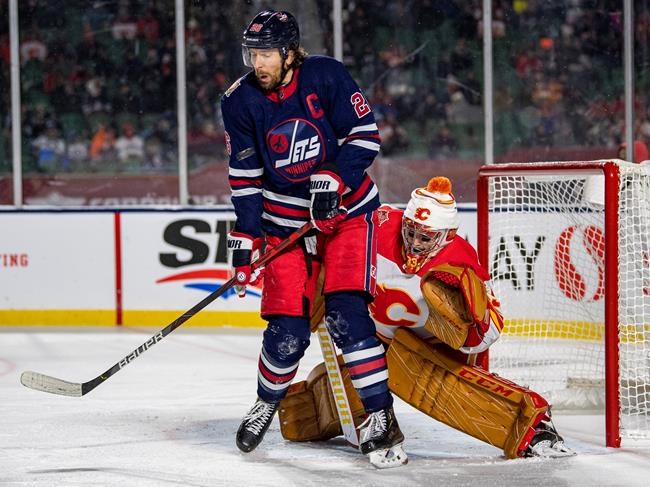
(568, 247)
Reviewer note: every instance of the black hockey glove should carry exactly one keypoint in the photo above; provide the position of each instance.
(326, 188)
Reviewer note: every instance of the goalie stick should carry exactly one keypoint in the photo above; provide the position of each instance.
(336, 385)
(46, 383)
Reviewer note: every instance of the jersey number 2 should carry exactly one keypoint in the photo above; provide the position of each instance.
(360, 104)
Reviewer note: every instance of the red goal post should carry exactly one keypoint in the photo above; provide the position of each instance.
(568, 248)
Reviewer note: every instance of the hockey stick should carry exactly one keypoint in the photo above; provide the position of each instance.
(45, 383)
(336, 385)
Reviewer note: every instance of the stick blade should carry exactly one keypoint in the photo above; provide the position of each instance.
(45, 383)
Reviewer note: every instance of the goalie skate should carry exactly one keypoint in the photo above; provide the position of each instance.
(547, 443)
(254, 425)
(381, 440)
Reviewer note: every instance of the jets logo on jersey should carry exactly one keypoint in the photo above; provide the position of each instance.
(296, 147)
(279, 143)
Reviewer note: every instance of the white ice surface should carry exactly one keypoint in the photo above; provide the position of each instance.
(169, 419)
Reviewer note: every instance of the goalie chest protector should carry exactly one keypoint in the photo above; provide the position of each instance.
(399, 301)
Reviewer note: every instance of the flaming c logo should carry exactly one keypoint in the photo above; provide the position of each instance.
(388, 298)
(572, 283)
(421, 213)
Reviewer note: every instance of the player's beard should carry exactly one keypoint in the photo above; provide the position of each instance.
(271, 80)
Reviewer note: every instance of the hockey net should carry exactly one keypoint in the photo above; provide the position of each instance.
(568, 248)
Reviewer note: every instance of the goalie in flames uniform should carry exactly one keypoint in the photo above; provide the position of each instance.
(435, 310)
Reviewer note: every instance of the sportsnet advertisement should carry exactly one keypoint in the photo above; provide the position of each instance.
(171, 261)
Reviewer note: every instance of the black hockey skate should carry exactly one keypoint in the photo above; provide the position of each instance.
(254, 425)
(381, 439)
(547, 443)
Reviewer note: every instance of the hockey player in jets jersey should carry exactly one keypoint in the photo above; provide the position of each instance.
(435, 310)
(300, 136)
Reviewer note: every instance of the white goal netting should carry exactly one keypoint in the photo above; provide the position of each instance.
(547, 257)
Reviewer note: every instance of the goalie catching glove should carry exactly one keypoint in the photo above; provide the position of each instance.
(463, 312)
(243, 250)
(326, 188)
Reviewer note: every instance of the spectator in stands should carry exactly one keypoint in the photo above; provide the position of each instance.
(50, 150)
(193, 33)
(459, 110)
(444, 145)
(78, 151)
(131, 67)
(35, 120)
(95, 98)
(160, 145)
(32, 48)
(92, 56)
(125, 101)
(124, 26)
(167, 76)
(98, 16)
(103, 154)
(461, 58)
(641, 152)
(130, 148)
(5, 49)
(393, 136)
(149, 26)
(153, 153)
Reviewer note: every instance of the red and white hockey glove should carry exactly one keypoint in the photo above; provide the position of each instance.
(326, 188)
(243, 250)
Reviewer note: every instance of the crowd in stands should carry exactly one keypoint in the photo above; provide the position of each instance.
(98, 79)
(558, 72)
(98, 83)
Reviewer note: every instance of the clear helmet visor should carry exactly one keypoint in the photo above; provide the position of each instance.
(421, 243)
(249, 54)
(246, 56)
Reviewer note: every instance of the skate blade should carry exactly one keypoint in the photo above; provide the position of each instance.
(558, 450)
(388, 457)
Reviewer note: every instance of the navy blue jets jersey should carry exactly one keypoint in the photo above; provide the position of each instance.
(277, 139)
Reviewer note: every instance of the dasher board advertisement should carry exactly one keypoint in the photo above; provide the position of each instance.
(171, 261)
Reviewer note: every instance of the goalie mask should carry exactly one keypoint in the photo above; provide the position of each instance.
(429, 223)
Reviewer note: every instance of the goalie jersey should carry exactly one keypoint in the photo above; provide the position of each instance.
(277, 139)
(401, 300)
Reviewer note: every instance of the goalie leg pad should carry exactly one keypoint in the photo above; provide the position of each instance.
(465, 397)
(308, 412)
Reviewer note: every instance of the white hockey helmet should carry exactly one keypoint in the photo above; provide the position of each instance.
(429, 223)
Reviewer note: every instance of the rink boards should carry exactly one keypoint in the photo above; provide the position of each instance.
(144, 267)
(137, 267)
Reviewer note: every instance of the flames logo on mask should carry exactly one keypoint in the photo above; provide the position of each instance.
(421, 213)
